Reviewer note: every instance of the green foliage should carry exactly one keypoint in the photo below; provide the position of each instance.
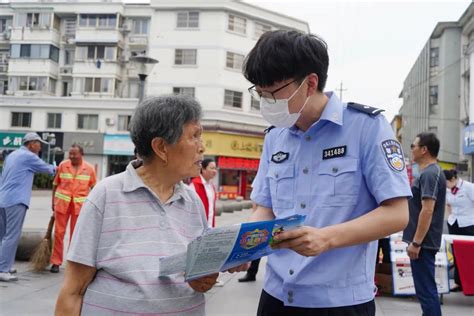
(42, 181)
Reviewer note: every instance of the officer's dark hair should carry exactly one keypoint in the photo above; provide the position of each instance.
(450, 174)
(164, 117)
(430, 141)
(79, 147)
(281, 55)
(206, 163)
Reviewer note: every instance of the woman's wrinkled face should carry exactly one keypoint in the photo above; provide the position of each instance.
(187, 154)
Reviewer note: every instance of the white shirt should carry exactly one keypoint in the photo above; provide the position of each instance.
(462, 204)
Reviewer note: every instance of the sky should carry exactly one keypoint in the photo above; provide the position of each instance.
(372, 44)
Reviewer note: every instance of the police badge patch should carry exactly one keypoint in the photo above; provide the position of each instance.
(280, 156)
(393, 153)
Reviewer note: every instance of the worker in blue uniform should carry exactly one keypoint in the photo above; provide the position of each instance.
(339, 164)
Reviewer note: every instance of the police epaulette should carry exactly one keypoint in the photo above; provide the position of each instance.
(268, 129)
(365, 108)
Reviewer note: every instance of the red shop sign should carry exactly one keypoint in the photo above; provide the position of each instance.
(237, 163)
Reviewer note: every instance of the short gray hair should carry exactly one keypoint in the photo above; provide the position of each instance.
(163, 116)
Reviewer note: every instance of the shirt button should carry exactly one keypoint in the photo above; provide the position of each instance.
(291, 272)
(335, 170)
(303, 205)
(305, 170)
(162, 213)
(276, 175)
(307, 138)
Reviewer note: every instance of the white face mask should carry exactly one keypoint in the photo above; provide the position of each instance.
(278, 113)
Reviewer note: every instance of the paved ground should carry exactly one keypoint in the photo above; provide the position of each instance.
(36, 293)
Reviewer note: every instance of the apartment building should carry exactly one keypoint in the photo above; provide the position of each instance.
(65, 70)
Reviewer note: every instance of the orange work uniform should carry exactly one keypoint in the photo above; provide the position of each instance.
(72, 187)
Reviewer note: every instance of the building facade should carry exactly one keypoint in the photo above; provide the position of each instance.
(65, 70)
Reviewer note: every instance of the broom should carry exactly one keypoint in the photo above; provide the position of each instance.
(40, 259)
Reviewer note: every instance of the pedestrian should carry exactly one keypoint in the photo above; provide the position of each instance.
(133, 218)
(425, 227)
(339, 164)
(460, 204)
(16, 184)
(74, 179)
(205, 189)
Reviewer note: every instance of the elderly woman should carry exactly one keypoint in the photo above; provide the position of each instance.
(132, 219)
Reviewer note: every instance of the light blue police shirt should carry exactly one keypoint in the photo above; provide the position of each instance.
(341, 168)
(16, 181)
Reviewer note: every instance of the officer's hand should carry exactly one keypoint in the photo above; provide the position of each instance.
(242, 267)
(413, 252)
(204, 283)
(307, 241)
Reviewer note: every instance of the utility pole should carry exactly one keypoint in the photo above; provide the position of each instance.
(340, 91)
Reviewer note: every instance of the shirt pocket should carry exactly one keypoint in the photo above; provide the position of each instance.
(338, 182)
(282, 182)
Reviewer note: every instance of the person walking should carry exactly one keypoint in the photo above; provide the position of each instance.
(16, 184)
(425, 227)
(337, 163)
(460, 204)
(73, 182)
(206, 190)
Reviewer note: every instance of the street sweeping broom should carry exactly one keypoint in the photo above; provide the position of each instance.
(40, 258)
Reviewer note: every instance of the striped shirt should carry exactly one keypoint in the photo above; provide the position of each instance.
(123, 229)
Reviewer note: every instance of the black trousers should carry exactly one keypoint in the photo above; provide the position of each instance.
(270, 306)
(253, 267)
(456, 230)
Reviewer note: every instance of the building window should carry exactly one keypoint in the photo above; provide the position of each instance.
(124, 122)
(234, 60)
(96, 52)
(102, 21)
(254, 104)
(98, 85)
(54, 120)
(52, 85)
(140, 26)
(68, 57)
(434, 57)
(237, 24)
(233, 99)
(187, 20)
(433, 95)
(87, 121)
(33, 19)
(184, 90)
(260, 29)
(185, 56)
(28, 83)
(4, 24)
(35, 51)
(21, 119)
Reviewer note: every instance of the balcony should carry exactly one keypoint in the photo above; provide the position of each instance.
(138, 40)
(35, 34)
(99, 35)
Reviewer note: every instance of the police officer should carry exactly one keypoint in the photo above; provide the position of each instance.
(336, 163)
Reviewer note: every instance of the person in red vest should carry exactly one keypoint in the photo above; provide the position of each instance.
(206, 190)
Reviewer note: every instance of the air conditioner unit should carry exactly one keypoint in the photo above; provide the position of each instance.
(110, 121)
(6, 35)
(125, 28)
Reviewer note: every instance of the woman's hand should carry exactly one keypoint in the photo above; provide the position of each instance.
(204, 283)
(241, 268)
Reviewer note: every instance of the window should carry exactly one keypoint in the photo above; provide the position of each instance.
(68, 57)
(54, 120)
(21, 119)
(87, 121)
(52, 85)
(35, 51)
(433, 95)
(102, 21)
(140, 26)
(234, 60)
(29, 83)
(33, 19)
(96, 52)
(184, 90)
(237, 24)
(185, 57)
(123, 122)
(254, 104)
(260, 29)
(434, 57)
(187, 20)
(4, 24)
(98, 85)
(233, 99)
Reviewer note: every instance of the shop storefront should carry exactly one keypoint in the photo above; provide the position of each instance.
(119, 151)
(9, 142)
(237, 159)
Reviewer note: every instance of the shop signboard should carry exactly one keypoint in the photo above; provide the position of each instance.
(11, 140)
(222, 144)
(118, 145)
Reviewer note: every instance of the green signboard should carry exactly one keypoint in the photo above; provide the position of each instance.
(11, 140)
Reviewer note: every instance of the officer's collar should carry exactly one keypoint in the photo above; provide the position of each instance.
(333, 110)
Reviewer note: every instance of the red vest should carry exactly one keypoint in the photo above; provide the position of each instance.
(201, 191)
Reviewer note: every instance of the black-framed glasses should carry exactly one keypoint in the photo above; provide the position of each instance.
(269, 96)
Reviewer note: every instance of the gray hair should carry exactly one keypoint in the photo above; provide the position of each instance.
(163, 116)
